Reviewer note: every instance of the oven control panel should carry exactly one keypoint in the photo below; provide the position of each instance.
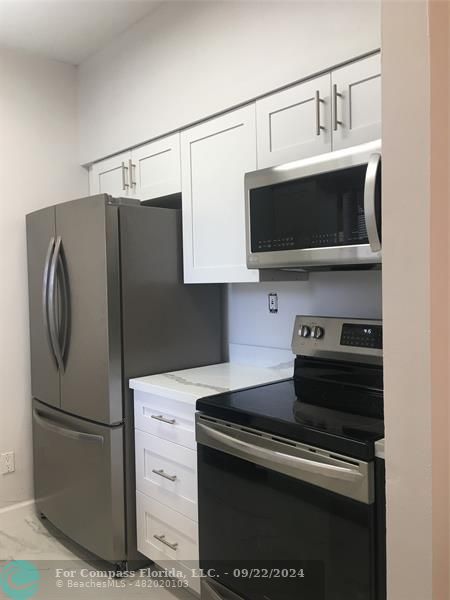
(338, 338)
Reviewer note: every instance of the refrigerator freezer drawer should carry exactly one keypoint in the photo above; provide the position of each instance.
(79, 479)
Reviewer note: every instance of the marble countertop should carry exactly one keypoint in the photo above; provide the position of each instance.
(191, 384)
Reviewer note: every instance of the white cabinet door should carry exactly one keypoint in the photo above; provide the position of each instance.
(356, 99)
(294, 123)
(111, 176)
(156, 169)
(215, 155)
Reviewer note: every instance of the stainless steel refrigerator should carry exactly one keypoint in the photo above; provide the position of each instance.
(107, 303)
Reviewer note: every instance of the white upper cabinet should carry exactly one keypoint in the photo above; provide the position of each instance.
(294, 123)
(356, 102)
(145, 172)
(215, 155)
(155, 168)
(110, 176)
(336, 110)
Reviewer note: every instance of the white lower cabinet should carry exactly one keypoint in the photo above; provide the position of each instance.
(167, 472)
(168, 538)
(166, 483)
(165, 418)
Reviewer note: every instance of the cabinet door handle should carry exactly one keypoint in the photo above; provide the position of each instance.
(319, 127)
(125, 183)
(162, 539)
(336, 95)
(162, 473)
(131, 168)
(164, 419)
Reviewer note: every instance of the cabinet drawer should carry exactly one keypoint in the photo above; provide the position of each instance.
(165, 418)
(167, 472)
(164, 534)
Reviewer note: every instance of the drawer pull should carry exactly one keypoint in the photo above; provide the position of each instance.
(162, 539)
(161, 473)
(164, 419)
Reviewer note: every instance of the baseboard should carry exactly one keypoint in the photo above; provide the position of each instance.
(16, 506)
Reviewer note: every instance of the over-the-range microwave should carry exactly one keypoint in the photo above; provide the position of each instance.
(318, 213)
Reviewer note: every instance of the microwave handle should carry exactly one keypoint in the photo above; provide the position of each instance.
(369, 202)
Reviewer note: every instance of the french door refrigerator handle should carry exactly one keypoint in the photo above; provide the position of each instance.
(47, 423)
(45, 296)
(369, 202)
(273, 457)
(65, 289)
(53, 313)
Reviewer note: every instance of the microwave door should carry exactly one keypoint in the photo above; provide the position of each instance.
(328, 216)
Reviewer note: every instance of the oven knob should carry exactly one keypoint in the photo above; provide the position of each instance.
(317, 332)
(305, 331)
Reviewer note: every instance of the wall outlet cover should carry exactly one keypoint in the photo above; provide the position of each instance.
(7, 463)
(273, 303)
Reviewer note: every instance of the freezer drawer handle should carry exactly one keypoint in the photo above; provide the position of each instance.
(162, 539)
(161, 473)
(70, 433)
(164, 419)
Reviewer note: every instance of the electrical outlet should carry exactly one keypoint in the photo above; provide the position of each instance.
(7, 462)
(273, 303)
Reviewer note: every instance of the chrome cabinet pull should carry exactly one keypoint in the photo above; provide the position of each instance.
(336, 95)
(162, 473)
(369, 202)
(131, 168)
(125, 183)
(163, 419)
(319, 127)
(162, 539)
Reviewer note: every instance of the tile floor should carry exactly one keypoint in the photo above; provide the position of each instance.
(23, 536)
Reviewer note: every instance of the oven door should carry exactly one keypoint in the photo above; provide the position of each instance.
(319, 212)
(280, 520)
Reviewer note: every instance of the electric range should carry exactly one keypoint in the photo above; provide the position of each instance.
(286, 472)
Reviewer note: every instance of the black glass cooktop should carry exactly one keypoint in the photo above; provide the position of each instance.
(280, 408)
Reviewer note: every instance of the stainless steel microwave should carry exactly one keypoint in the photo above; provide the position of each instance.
(317, 213)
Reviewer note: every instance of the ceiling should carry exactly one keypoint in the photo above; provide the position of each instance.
(67, 30)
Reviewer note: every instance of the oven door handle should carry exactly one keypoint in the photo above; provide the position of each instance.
(273, 457)
(370, 202)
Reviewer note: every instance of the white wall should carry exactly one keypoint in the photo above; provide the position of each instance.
(337, 294)
(188, 60)
(38, 167)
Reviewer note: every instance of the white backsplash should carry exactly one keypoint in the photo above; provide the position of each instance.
(340, 294)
